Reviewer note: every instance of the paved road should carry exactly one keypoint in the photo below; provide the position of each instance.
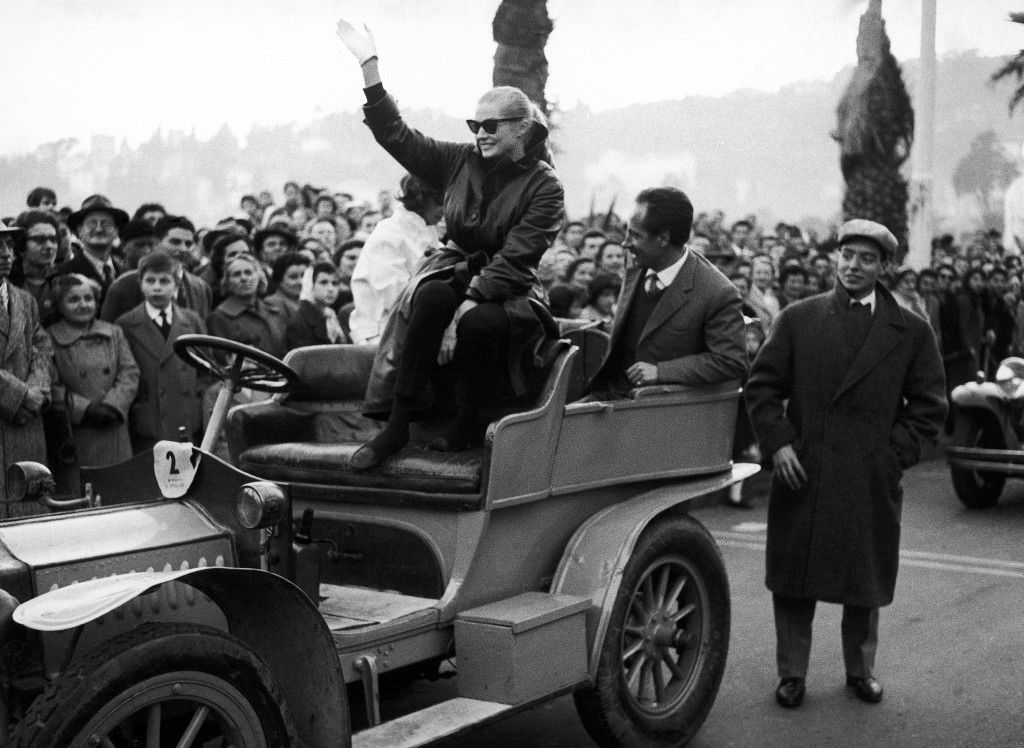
(951, 652)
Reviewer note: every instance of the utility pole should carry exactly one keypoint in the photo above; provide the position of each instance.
(922, 184)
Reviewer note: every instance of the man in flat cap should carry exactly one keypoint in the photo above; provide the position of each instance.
(865, 390)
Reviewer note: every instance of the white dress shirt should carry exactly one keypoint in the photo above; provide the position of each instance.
(666, 276)
(869, 300)
(154, 313)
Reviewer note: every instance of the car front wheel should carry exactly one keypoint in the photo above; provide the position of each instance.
(665, 649)
(977, 489)
(161, 684)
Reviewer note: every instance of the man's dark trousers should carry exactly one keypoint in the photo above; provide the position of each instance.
(793, 619)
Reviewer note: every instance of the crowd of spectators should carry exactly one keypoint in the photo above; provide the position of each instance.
(113, 291)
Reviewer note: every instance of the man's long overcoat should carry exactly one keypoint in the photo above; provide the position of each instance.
(857, 420)
(24, 363)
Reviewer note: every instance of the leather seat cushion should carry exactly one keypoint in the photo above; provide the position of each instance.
(415, 468)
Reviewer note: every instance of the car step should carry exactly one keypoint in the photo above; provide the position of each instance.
(431, 724)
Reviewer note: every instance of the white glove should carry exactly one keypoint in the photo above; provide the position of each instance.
(362, 47)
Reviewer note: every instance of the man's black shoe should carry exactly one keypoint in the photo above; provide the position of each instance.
(867, 689)
(790, 692)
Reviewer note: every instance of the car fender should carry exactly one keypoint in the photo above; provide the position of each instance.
(979, 399)
(266, 612)
(978, 395)
(596, 556)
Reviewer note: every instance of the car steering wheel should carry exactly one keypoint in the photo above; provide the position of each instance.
(250, 367)
(264, 372)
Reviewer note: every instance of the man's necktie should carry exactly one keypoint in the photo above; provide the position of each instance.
(108, 275)
(165, 326)
(653, 284)
(4, 302)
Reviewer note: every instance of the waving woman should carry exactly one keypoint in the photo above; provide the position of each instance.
(470, 304)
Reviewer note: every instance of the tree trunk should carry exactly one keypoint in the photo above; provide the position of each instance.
(875, 131)
(521, 29)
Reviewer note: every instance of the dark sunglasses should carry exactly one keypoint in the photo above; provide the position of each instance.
(946, 276)
(490, 126)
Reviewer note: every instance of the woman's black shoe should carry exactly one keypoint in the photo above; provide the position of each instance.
(374, 452)
(790, 692)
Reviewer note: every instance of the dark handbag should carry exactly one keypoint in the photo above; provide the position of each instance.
(60, 442)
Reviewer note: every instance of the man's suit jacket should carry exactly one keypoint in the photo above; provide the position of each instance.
(82, 265)
(695, 334)
(125, 294)
(169, 391)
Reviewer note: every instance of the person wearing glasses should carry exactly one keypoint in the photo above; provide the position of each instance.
(469, 306)
(36, 250)
(96, 225)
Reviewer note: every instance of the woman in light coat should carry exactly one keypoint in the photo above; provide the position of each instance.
(95, 376)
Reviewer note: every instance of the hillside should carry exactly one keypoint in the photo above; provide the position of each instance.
(750, 151)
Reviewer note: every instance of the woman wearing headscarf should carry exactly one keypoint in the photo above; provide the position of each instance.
(244, 316)
(470, 303)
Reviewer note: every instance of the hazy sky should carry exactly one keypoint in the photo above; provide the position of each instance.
(125, 67)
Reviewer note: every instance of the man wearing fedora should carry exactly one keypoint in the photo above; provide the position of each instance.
(271, 243)
(96, 225)
(865, 390)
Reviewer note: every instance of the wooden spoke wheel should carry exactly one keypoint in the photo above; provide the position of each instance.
(161, 685)
(664, 651)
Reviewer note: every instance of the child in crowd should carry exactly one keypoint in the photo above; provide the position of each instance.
(603, 291)
(566, 300)
(95, 377)
(315, 322)
(169, 391)
(744, 445)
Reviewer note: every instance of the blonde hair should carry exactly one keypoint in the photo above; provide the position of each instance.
(225, 286)
(512, 101)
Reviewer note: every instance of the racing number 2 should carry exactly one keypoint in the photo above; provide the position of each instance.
(174, 464)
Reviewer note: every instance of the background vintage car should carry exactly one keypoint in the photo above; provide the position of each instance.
(989, 426)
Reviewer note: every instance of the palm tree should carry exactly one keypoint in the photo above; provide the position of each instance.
(521, 29)
(1014, 67)
(875, 131)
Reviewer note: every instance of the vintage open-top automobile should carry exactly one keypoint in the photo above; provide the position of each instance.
(987, 439)
(187, 601)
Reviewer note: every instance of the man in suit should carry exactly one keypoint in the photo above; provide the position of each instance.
(678, 320)
(176, 236)
(169, 391)
(96, 225)
(864, 385)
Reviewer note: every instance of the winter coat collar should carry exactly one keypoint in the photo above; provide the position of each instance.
(235, 307)
(64, 334)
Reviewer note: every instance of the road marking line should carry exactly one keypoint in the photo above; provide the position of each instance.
(750, 527)
(918, 559)
(965, 559)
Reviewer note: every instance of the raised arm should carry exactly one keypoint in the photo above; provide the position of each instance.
(431, 160)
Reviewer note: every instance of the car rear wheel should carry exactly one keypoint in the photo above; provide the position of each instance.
(665, 649)
(161, 684)
(977, 489)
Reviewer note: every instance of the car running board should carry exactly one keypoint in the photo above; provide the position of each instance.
(431, 724)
